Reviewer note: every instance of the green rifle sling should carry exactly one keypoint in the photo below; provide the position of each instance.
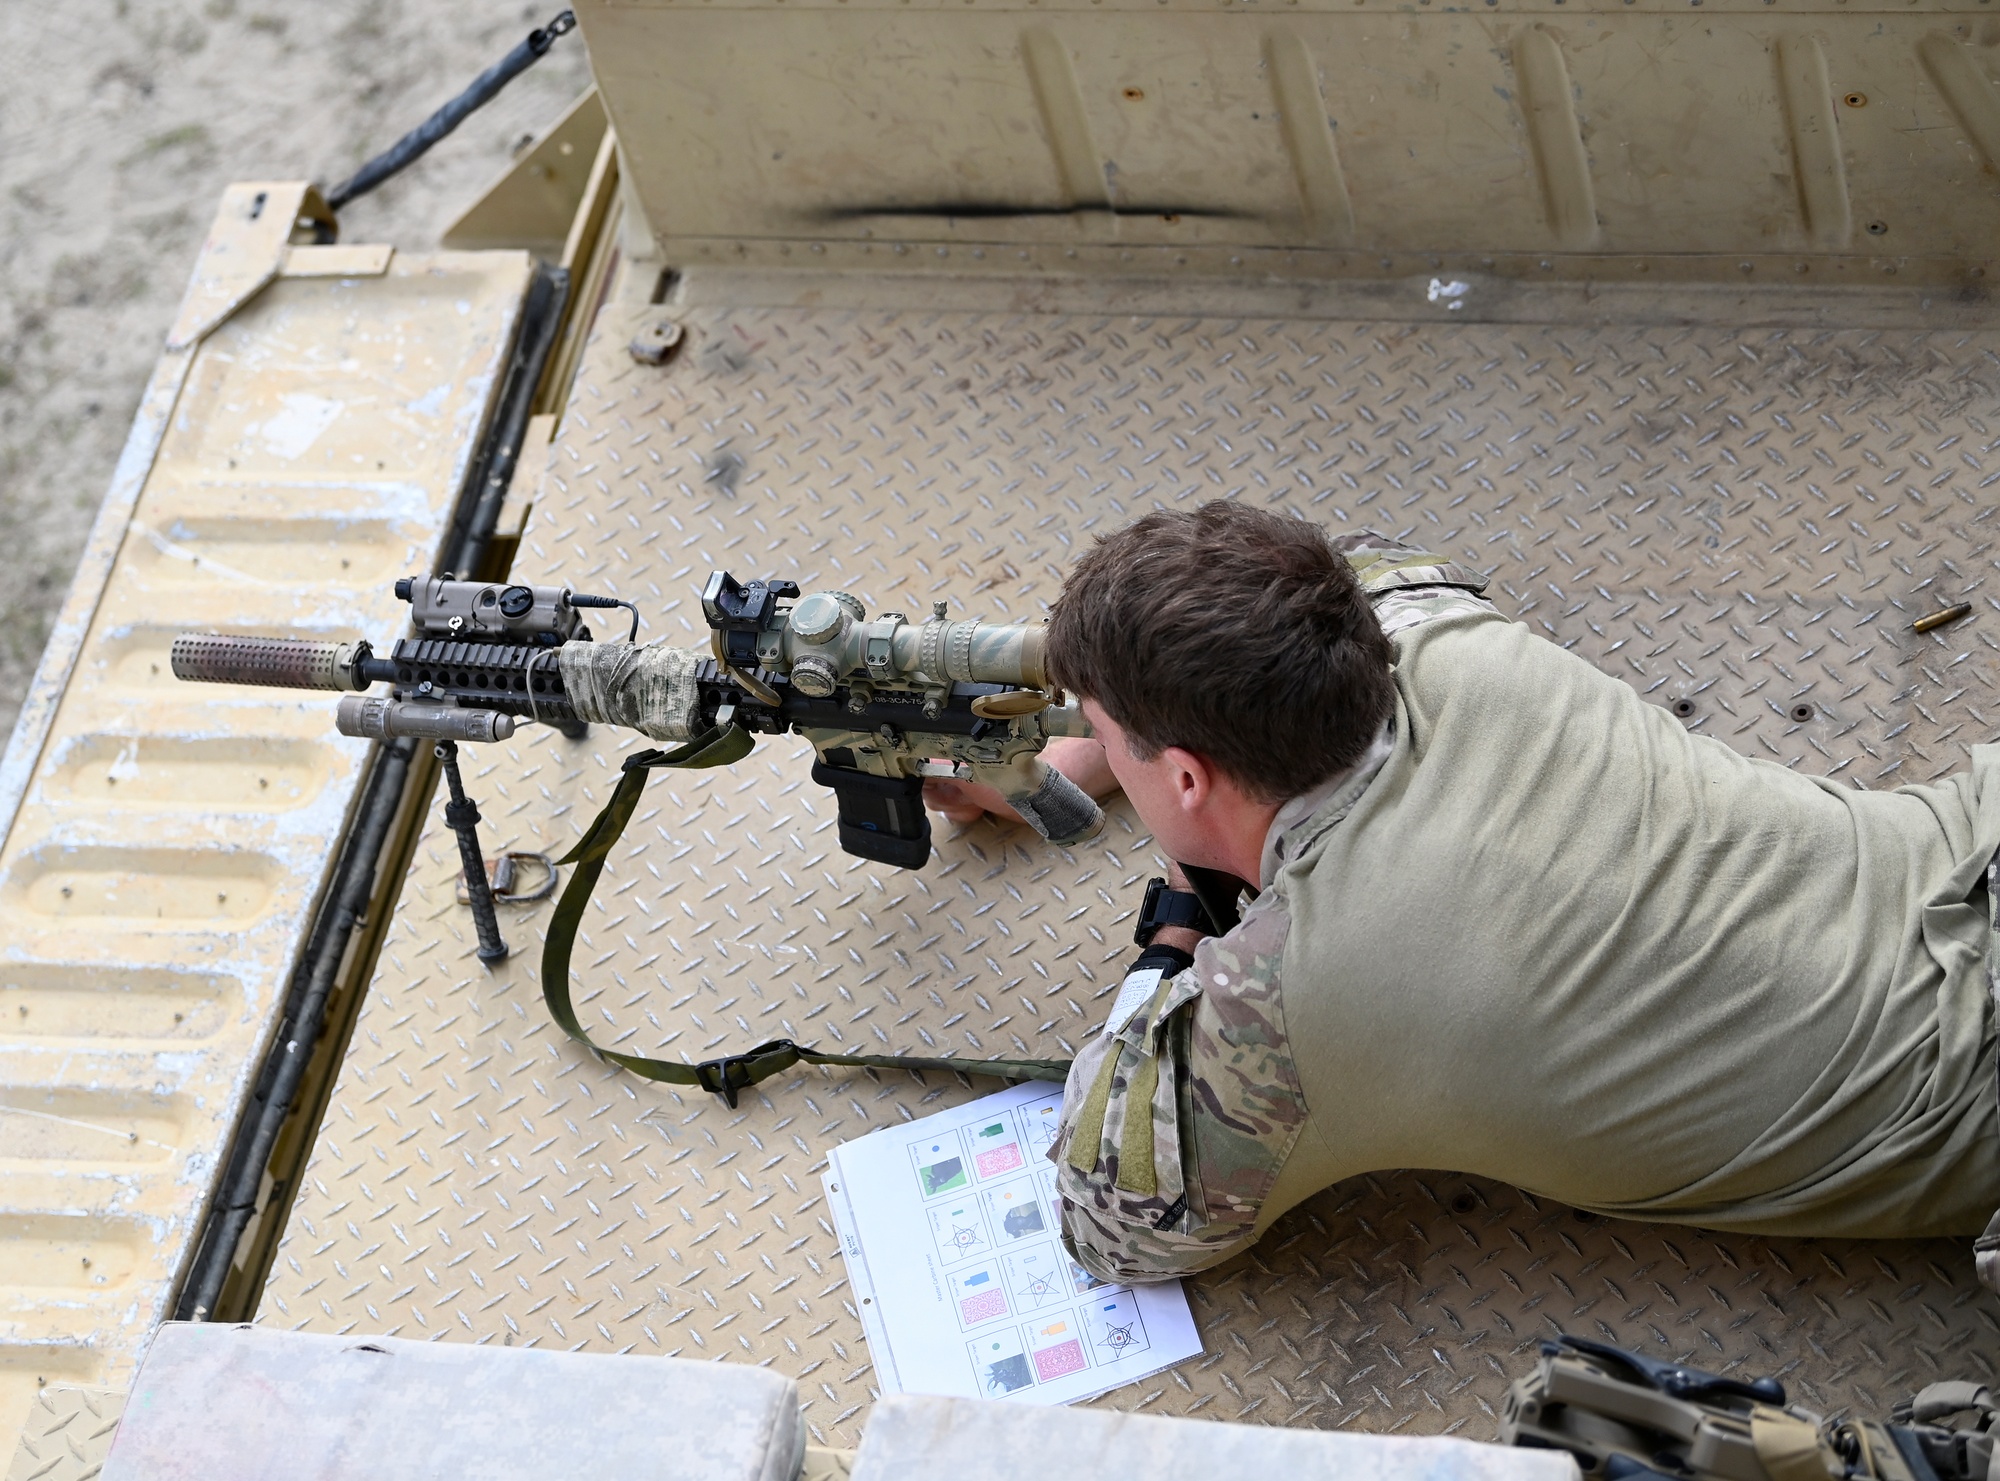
(726, 1076)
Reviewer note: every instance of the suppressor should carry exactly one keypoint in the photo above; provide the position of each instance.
(280, 663)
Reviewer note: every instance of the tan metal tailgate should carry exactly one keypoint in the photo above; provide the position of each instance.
(171, 840)
(1743, 519)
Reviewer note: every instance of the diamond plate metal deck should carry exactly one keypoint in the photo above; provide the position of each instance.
(1743, 520)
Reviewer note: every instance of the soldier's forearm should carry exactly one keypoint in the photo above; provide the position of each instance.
(1180, 938)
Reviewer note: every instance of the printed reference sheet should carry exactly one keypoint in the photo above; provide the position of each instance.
(949, 1226)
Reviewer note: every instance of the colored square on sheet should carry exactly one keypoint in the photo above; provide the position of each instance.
(940, 1167)
(1000, 1159)
(1000, 1363)
(1055, 1362)
(1015, 1211)
(982, 1307)
(995, 1149)
(979, 1294)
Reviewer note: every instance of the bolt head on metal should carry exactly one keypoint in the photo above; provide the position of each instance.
(656, 342)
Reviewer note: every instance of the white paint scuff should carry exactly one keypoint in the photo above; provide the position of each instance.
(294, 430)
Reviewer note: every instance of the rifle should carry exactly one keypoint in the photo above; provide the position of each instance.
(884, 702)
(1628, 1417)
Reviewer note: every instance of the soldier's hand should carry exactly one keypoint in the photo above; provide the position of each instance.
(1076, 757)
(965, 802)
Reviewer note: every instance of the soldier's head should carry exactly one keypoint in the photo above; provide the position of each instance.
(1229, 633)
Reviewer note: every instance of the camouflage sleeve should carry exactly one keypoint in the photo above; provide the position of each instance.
(1409, 586)
(1176, 1120)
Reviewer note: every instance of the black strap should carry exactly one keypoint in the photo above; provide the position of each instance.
(1171, 960)
(717, 746)
(1163, 907)
(1218, 892)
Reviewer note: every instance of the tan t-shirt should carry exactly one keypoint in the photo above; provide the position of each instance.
(1563, 942)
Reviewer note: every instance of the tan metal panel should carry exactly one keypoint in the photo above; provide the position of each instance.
(1743, 520)
(172, 839)
(534, 203)
(1522, 130)
(68, 1434)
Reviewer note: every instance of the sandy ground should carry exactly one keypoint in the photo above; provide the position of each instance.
(119, 125)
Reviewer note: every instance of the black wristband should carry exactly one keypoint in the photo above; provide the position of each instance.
(1165, 907)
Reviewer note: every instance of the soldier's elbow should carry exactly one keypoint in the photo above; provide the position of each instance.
(1146, 1256)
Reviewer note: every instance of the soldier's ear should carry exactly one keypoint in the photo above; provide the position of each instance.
(1191, 777)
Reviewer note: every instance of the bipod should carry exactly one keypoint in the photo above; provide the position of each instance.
(461, 815)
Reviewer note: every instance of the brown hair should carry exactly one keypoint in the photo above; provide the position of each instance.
(1231, 632)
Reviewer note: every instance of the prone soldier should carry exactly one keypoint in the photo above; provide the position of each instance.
(1509, 919)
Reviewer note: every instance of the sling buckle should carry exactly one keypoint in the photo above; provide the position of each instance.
(731, 1073)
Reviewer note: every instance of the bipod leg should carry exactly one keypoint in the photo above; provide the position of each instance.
(461, 815)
